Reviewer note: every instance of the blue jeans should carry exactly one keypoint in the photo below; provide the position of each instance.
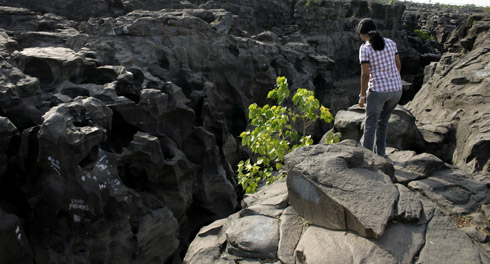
(379, 107)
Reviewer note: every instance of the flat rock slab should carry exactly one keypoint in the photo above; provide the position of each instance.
(444, 243)
(275, 195)
(322, 246)
(454, 190)
(410, 166)
(403, 241)
(341, 187)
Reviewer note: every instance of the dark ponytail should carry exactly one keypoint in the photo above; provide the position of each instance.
(367, 27)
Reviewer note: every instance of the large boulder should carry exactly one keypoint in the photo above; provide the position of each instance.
(402, 130)
(325, 198)
(253, 233)
(254, 236)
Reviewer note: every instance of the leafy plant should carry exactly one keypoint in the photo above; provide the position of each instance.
(318, 2)
(423, 35)
(274, 133)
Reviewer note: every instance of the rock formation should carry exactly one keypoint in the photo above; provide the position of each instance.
(119, 124)
(339, 205)
(452, 107)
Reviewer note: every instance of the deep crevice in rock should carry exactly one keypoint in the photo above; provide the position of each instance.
(39, 69)
(121, 134)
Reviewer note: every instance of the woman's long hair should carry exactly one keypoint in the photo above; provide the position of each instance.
(367, 27)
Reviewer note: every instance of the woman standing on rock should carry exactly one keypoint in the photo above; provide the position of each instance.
(380, 79)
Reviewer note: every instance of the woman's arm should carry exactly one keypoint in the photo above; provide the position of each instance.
(398, 63)
(364, 83)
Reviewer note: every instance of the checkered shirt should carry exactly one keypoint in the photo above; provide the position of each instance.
(384, 76)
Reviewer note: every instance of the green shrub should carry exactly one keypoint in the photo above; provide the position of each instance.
(274, 134)
(317, 2)
(423, 35)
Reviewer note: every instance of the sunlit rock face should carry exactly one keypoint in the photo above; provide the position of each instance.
(453, 101)
(341, 204)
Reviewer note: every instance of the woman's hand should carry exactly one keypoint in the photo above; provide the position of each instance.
(362, 101)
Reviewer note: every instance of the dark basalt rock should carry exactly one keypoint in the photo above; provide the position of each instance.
(120, 121)
(326, 199)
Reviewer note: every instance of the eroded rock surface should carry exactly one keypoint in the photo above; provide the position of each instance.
(120, 122)
(456, 93)
(418, 230)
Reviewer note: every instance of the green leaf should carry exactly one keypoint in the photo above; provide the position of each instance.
(280, 80)
(294, 135)
(273, 154)
(244, 133)
(296, 98)
(269, 114)
(272, 94)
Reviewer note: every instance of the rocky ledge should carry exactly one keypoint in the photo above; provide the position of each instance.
(342, 204)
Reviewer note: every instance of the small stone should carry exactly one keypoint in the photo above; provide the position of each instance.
(254, 236)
